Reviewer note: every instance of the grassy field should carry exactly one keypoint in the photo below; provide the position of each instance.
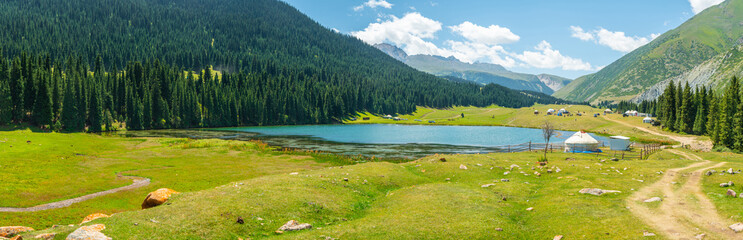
(727, 207)
(524, 117)
(425, 199)
(40, 168)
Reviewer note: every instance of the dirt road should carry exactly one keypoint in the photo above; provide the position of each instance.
(685, 212)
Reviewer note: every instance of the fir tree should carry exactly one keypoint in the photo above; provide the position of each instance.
(43, 114)
(16, 90)
(71, 120)
(95, 111)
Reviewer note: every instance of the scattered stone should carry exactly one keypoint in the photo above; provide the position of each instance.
(738, 227)
(240, 220)
(529, 209)
(92, 232)
(94, 216)
(499, 229)
(549, 170)
(447, 179)
(558, 170)
(727, 184)
(615, 159)
(709, 173)
(346, 179)
(13, 230)
(488, 185)
(46, 236)
(259, 219)
(294, 173)
(505, 180)
(731, 193)
(462, 166)
(157, 197)
(506, 173)
(538, 174)
(558, 237)
(648, 234)
(741, 195)
(442, 159)
(479, 165)
(514, 166)
(596, 191)
(293, 225)
(279, 232)
(653, 199)
(730, 171)
(602, 160)
(700, 236)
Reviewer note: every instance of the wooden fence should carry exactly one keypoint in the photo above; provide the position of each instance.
(637, 151)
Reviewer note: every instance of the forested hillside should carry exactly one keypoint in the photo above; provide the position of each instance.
(90, 63)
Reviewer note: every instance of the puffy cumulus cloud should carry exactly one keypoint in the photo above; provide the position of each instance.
(546, 57)
(414, 32)
(698, 6)
(407, 32)
(617, 41)
(373, 4)
(580, 34)
(493, 35)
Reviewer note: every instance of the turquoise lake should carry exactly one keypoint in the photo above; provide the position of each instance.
(379, 140)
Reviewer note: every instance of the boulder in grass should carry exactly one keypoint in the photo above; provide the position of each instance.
(731, 193)
(293, 225)
(462, 166)
(92, 232)
(738, 227)
(94, 216)
(13, 230)
(157, 197)
(596, 191)
(653, 199)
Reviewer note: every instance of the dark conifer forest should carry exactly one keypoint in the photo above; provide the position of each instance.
(99, 65)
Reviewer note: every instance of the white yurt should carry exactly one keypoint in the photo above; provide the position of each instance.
(647, 120)
(581, 142)
(550, 111)
(607, 111)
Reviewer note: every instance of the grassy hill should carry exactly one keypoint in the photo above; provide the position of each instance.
(708, 34)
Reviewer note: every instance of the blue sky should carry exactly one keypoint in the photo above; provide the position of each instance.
(568, 38)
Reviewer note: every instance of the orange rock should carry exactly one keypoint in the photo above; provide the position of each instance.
(94, 228)
(94, 216)
(157, 197)
(18, 237)
(46, 236)
(13, 230)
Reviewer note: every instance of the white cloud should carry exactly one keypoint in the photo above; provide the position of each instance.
(698, 6)
(617, 41)
(407, 32)
(373, 4)
(580, 34)
(414, 32)
(546, 57)
(492, 35)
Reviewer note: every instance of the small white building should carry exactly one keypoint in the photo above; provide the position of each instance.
(608, 111)
(619, 143)
(581, 142)
(632, 113)
(647, 120)
(550, 111)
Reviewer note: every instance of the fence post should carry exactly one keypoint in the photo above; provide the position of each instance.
(529, 146)
(509, 148)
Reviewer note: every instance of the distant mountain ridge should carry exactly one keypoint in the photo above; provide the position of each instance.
(482, 73)
(704, 51)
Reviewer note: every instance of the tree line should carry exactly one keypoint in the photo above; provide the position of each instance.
(699, 111)
(69, 95)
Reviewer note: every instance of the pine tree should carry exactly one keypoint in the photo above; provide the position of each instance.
(730, 107)
(669, 107)
(71, 120)
(685, 114)
(43, 114)
(712, 119)
(6, 109)
(16, 90)
(95, 110)
(700, 121)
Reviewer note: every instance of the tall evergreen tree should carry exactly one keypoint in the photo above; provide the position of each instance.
(713, 119)
(669, 107)
(95, 111)
(700, 121)
(71, 119)
(685, 115)
(42, 112)
(16, 90)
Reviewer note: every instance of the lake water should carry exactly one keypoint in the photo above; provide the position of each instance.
(379, 140)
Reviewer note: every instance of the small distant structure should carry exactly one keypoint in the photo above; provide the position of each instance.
(431, 121)
(619, 143)
(550, 111)
(387, 117)
(581, 142)
(366, 118)
(595, 115)
(396, 118)
(647, 120)
(536, 112)
(632, 113)
(563, 111)
(418, 120)
(608, 111)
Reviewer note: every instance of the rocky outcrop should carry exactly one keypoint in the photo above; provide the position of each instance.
(94, 216)
(46, 236)
(13, 230)
(596, 191)
(293, 225)
(157, 198)
(92, 232)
